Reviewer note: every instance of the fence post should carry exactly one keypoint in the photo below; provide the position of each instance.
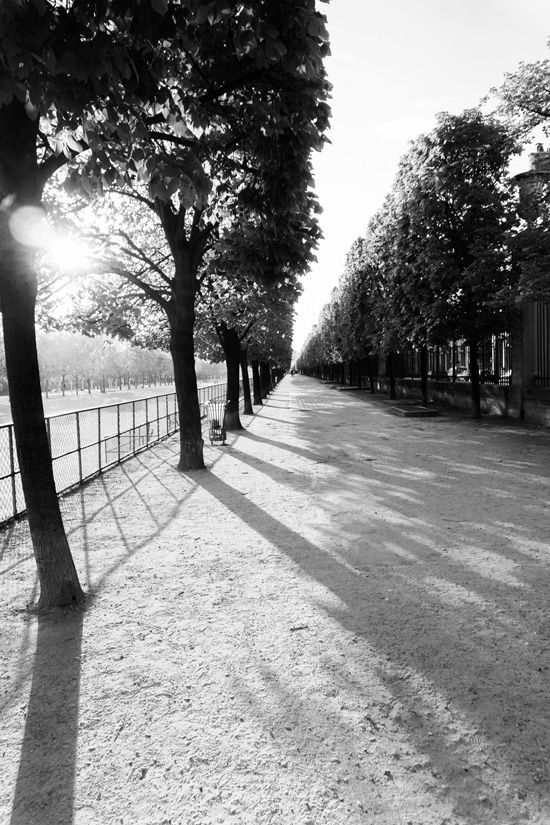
(99, 438)
(12, 470)
(118, 429)
(158, 417)
(79, 447)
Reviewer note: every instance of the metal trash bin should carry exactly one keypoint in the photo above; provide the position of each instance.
(215, 411)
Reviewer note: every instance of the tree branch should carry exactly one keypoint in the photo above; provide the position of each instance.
(154, 294)
(231, 85)
(135, 252)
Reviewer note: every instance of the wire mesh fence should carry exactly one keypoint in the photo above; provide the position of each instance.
(84, 443)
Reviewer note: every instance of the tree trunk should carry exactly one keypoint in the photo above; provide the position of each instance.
(424, 374)
(256, 383)
(265, 377)
(185, 380)
(474, 377)
(391, 371)
(59, 584)
(20, 185)
(371, 375)
(232, 350)
(248, 410)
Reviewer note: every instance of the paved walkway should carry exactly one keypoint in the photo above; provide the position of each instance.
(356, 605)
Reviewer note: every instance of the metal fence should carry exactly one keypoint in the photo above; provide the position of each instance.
(86, 442)
(542, 332)
(451, 362)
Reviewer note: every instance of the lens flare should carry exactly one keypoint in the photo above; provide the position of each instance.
(29, 227)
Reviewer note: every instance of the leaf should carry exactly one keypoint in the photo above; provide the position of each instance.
(10, 47)
(160, 6)
(316, 27)
(69, 62)
(201, 15)
(73, 144)
(275, 49)
(187, 196)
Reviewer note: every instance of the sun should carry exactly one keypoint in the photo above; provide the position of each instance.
(68, 254)
(65, 252)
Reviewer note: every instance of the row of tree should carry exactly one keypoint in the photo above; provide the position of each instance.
(193, 123)
(453, 253)
(72, 361)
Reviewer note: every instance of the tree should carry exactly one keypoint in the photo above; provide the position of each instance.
(525, 105)
(247, 291)
(360, 300)
(524, 97)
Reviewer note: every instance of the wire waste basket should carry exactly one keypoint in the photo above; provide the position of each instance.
(215, 411)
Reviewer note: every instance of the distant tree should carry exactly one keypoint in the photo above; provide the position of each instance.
(448, 243)
(243, 319)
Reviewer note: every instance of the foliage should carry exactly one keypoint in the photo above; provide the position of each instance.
(70, 358)
(525, 97)
(454, 213)
(440, 260)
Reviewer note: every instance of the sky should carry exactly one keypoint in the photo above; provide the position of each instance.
(394, 65)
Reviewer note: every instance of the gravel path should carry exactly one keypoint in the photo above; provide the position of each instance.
(344, 620)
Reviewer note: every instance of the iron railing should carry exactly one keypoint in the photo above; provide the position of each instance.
(541, 377)
(84, 443)
(451, 361)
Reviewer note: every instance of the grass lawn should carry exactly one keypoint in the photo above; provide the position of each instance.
(58, 403)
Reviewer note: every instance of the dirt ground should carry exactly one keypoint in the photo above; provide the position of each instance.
(344, 620)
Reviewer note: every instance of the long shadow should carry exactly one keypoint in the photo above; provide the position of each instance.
(44, 791)
(281, 445)
(368, 612)
(45, 785)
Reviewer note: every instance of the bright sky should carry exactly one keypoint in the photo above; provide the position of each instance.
(394, 65)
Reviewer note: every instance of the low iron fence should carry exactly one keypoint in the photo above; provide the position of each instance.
(84, 443)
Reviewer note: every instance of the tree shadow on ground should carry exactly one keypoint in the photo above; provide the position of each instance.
(44, 791)
(419, 624)
(306, 452)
